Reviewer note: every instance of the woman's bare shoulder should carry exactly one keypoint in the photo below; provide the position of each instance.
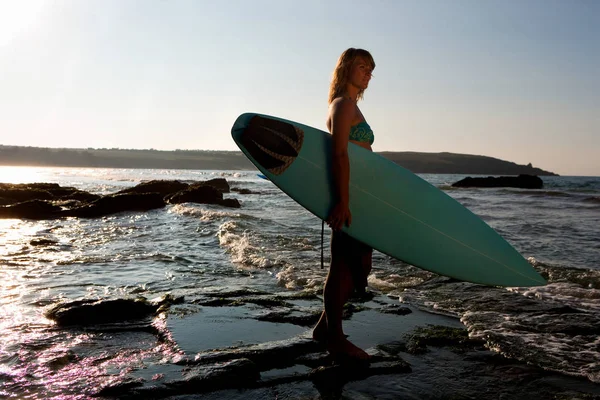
(343, 105)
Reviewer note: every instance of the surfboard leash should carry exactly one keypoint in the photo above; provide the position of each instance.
(322, 241)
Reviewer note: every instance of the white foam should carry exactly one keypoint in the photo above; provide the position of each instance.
(202, 213)
(380, 284)
(505, 333)
(240, 246)
(292, 277)
(568, 293)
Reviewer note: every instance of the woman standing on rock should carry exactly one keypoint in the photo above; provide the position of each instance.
(350, 259)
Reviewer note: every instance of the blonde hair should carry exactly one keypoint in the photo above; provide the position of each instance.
(341, 73)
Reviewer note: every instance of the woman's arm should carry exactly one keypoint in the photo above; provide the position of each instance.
(342, 114)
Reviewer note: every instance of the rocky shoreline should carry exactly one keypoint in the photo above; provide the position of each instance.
(42, 201)
(409, 356)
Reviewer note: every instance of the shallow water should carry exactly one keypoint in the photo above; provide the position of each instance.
(271, 244)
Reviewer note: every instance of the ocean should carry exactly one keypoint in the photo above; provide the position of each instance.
(272, 245)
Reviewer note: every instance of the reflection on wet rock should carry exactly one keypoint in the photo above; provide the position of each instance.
(94, 312)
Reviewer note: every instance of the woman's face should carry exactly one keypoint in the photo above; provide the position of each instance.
(360, 74)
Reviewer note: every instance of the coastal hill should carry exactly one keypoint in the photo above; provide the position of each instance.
(439, 163)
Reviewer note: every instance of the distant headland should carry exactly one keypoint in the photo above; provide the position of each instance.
(435, 163)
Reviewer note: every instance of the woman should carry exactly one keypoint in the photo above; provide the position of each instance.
(350, 259)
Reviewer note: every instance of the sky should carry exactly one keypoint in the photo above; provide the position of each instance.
(517, 80)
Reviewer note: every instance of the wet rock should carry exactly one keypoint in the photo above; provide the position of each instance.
(395, 309)
(92, 312)
(393, 348)
(205, 378)
(236, 293)
(16, 193)
(291, 317)
(266, 356)
(314, 360)
(63, 360)
(219, 302)
(351, 308)
(196, 194)
(280, 376)
(164, 187)
(268, 301)
(79, 196)
(120, 388)
(330, 379)
(67, 204)
(43, 242)
(232, 203)
(521, 181)
(113, 204)
(220, 184)
(32, 209)
(439, 336)
(243, 191)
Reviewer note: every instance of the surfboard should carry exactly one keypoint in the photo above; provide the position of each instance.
(393, 210)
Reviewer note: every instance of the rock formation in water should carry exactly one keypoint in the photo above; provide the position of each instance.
(521, 181)
(40, 201)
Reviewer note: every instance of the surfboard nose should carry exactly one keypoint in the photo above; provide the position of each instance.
(272, 143)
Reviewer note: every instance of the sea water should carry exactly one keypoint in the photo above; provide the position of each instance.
(273, 244)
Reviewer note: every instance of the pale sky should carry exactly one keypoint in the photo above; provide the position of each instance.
(514, 79)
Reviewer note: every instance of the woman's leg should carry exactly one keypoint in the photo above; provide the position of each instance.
(338, 287)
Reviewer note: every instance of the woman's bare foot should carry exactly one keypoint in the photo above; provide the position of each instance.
(343, 348)
(319, 333)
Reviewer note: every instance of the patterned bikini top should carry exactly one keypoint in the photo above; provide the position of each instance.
(362, 132)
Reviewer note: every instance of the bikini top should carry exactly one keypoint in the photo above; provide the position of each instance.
(362, 132)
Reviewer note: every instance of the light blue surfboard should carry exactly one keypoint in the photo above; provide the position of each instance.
(393, 210)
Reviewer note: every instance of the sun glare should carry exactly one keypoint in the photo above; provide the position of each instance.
(18, 16)
(19, 174)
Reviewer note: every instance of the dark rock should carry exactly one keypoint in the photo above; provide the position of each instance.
(92, 312)
(42, 242)
(236, 293)
(196, 194)
(393, 348)
(439, 336)
(32, 209)
(121, 388)
(202, 194)
(330, 379)
(118, 203)
(15, 193)
(80, 196)
(232, 203)
(395, 309)
(205, 378)
(267, 356)
(67, 204)
(21, 194)
(521, 181)
(291, 318)
(220, 302)
(218, 183)
(164, 187)
(243, 191)
(62, 361)
(314, 360)
(268, 301)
